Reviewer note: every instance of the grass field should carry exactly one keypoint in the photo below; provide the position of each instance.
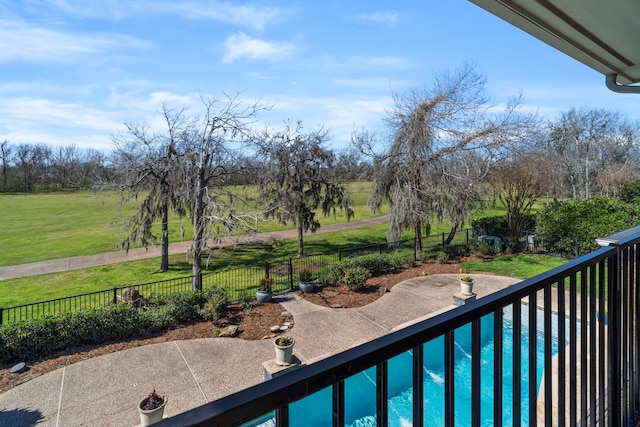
(39, 227)
(523, 266)
(50, 226)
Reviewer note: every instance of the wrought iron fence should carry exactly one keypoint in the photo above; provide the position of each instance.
(237, 281)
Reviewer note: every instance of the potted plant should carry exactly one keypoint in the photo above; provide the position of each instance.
(265, 292)
(284, 350)
(466, 285)
(306, 281)
(152, 408)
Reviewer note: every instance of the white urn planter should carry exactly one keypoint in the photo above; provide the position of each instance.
(466, 286)
(284, 350)
(152, 409)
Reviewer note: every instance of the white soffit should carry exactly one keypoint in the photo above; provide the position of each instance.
(603, 34)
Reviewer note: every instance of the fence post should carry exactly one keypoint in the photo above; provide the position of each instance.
(467, 230)
(266, 269)
(290, 274)
(339, 254)
(115, 295)
(379, 248)
(1, 314)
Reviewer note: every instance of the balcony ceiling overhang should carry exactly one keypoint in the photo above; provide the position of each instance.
(602, 34)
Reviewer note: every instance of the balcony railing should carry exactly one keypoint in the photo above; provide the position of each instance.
(591, 377)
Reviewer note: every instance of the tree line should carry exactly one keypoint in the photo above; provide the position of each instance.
(447, 150)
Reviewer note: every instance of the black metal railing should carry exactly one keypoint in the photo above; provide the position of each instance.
(591, 368)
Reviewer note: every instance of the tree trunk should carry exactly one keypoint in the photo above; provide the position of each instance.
(452, 233)
(164, 258)
(300, 241)
(198, 224)
(417, 229)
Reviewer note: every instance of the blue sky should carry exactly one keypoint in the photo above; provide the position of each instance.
(73, 71)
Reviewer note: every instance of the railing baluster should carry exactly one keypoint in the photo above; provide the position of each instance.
(338, 404)
(601, 348)
(382, 398)
(562, 316)
(449, 380)
(418, 381)
(517, 364)
(593, 348)
(548, 336)
(475, 373)
(497, 367)
(533, 365)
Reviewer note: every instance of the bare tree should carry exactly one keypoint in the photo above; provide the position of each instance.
(441, 141)
(150, 164)
(584, 142)
(520, 183)
(212, 152)
(299, 177)
(6, 153)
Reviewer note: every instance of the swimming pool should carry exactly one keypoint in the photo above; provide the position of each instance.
(360, 392)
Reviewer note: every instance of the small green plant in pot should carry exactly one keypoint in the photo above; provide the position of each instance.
(284, 350)
(152, 408)
(306, 283)
(466, 285)
(265, 290)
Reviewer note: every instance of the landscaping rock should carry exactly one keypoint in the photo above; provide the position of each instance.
(131, 296)
(229, 331)
(286, 315)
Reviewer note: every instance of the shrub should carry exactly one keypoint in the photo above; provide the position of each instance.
(375, 263)
(324, 276)
(305, 275)
(398, 260)
(484, 248)
(355, 277)
(216, 306)
(185, 307)
(244, 299)
(442, 257)
(334, 273)
(37, 338)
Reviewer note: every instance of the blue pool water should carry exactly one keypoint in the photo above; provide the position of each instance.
(360, 406)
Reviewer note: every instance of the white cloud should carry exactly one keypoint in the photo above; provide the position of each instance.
(387, 18)
(241, 15)
(340, 114)
(243, 46)
(20, 41)
(387, 62)
(244, 15)
(22, 121)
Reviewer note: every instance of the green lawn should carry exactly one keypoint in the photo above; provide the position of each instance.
(56, 285)
(523, 266)
(39, 227)
(50, 226)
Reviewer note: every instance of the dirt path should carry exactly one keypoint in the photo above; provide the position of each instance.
(75, 263)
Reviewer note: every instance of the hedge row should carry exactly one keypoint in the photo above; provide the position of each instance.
(38, 338)
(354, 272)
